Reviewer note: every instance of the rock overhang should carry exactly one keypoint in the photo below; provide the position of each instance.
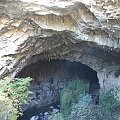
(76, 32)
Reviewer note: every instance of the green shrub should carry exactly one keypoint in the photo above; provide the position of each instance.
(109, 100)
(70, 94)
(18, 90)
(84, 110)
(12, 95)
(76, 104)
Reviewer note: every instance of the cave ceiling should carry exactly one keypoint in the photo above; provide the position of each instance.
(76, 30)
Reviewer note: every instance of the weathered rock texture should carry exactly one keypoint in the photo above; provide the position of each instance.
(75, 30)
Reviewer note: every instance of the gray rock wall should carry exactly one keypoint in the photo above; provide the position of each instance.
(75, 30)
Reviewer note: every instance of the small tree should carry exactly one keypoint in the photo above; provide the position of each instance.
(70, 94)
(13, 94)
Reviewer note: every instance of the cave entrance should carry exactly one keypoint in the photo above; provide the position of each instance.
(52, 76)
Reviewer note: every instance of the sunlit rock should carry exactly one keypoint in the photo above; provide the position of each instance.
(75, 30)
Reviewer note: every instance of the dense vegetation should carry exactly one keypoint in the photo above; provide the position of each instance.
(110, 100)
(76, 104)
(70, 94)
(13, 93)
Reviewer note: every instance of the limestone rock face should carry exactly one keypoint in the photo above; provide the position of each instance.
(86, 31)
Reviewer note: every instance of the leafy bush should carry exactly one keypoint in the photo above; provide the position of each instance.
(12, 95)
(84, 110)
(69, 95)
(109, 100)
(18, 90)
(76, 104)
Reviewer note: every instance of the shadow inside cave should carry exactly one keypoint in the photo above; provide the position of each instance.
(50, 77)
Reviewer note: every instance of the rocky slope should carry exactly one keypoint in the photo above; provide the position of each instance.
(75, 30)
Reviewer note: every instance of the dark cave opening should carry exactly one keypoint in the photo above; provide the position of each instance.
(50, 77)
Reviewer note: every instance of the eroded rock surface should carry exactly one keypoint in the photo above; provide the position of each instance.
(75, 30)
